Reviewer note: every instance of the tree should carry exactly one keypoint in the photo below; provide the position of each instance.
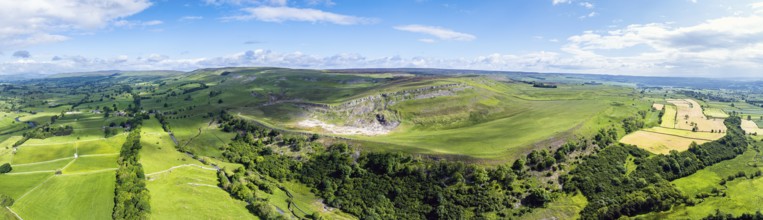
(5, 168)
(518, 165)
(219, 101)
(538, 197)
(6, 200)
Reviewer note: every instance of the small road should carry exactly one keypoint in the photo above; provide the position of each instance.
(181, 166)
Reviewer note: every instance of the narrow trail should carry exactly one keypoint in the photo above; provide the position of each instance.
(35, 188)
(30, 172)
(90, 172)
(68, 164)
(181, 166)
(14, 213)
(201, 184)
(65, 158)
(42, 162)
(99, 155)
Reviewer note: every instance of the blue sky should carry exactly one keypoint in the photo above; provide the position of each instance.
(711, 38)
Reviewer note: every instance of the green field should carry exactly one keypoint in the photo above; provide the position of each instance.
(669, 118)
(88, 196)
(498, 138)
(44, 166)
(715, 112)
(742, 195)
(17, 185)
(40, 153)
(89, 164)
(192, 193)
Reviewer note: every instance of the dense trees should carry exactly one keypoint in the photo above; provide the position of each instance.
(371, 185)
(632, 124)
(613, 192)
(131, 199)
(5, 168)
(725, 216)
(46, 131)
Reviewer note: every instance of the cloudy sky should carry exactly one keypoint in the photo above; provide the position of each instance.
(710, 38)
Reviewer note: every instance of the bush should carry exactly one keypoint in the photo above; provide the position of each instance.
(5, 168)
(5, 200)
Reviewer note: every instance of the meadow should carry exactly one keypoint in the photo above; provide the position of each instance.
(742, 195)
(675, 132)
(669, 118)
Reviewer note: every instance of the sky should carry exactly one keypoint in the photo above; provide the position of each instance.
(705, 38)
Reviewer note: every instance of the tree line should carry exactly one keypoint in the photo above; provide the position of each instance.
(376, 185)
(131, 200)
(613, 192)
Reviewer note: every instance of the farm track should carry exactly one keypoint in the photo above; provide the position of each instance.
(181, 166)
(675, 135)
(65, 158)
(69, 142)
(90, 172)
(31, 172)
(33, 189)
(14, 213)
(42, 162)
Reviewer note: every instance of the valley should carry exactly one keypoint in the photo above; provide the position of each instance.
(266, 143)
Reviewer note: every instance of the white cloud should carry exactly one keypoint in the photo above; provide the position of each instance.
(281, 14)
(427, 40)
(587, 5)
(29, 22)
(190, 18)
(247, 2)
(589, 15)
(321, 2)
(439, 32)
(152, 23)
(730, 45)
(556, 2)
(132, 24)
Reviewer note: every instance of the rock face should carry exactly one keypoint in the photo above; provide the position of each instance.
(372, 113)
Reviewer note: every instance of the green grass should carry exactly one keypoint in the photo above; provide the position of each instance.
(6, 215)
(308, 203)
(192, 193)
(111, 145)
(669, 118)
(501, 137)
(564, 207)
(743, 195)
(38, 153)
(53, 165)
(159, 151)
(89, 196)
(715, 112)
(17, 185)
(87, 164)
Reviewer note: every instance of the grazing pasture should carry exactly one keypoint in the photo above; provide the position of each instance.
(715, 113)
(742, 195)
(78, 196)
